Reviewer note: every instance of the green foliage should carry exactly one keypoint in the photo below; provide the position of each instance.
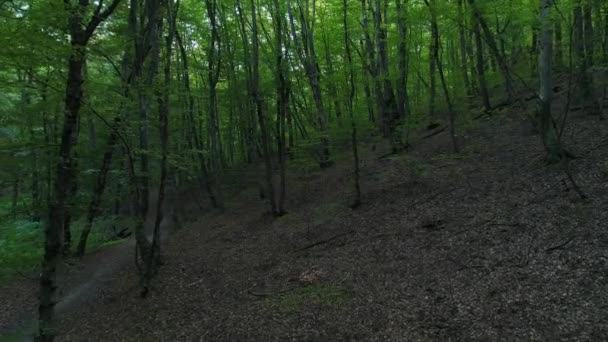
(22, 242)
(21, 247)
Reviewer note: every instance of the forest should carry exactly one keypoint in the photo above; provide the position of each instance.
(306, 170)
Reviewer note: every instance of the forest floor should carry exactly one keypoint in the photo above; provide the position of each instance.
(487, 244)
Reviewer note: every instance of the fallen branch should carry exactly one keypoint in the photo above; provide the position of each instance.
(433, 133)
(323, 241)
(560, 246)
(195, 282)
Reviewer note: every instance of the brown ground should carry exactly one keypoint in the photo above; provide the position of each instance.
(486, 245)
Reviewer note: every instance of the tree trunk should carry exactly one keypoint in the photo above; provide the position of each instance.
(589, 103)
(491, 41)
(36, 207)
(333, 92)
(98, 190)
(15, 196)
(437, 43)
(369, 58)
(387, 98)
(152, 261)
(192, 126)
(481, 73)
(547, 125)
(255, 93)
(283, 103)
(79, 37)
(559, 52)
(145, 67)
(71, 203)
(214, 68)
(349, 107)
(463, 49)
(605, 38)
(433, 52)
(588, 33)
(305, 49)
(403, 105)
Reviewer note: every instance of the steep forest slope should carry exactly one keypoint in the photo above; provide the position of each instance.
(303, 170)
(483, 245)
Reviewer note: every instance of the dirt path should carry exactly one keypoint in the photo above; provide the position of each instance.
(79, 282)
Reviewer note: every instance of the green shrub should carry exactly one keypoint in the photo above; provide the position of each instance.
(21, 248)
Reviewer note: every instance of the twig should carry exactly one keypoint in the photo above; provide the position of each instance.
(195, 282)
(551, 249)
(323, 241)
(433, 134)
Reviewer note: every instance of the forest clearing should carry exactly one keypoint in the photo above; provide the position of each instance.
(303, 170)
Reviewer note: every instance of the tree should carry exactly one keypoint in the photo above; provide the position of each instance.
(282, 102)
(80, 32)
(259, 105)
(481, 69)
(349, 107)
(305, 48)
(491, 41)
(546, 123)
(435, 54)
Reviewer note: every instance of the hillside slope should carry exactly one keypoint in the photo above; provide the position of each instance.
(488, 244)
(483, 245)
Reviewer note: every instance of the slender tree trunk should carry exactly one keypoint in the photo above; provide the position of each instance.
(491, 42)
(46, 126)
(35, 211)
(333, 92)
(481, 73)
(255, 93)
(98, 190)
(305, 49)
(547, 125)
(589, 103)
(387, 98)
(402, 91)
(463, 49)
(437, 43)
(214, 69)
(349, 107)
(192, 126)
(249, 116)
(369, 62)
(559, 52)
(283, 103)
(588, 33)
(433, 52)
(534, 53)
(67, 220)
(153, 260)
(605, 38)
(472, 58)
(145, 67)
(15, 196)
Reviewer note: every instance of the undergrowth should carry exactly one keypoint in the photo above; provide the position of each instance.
(22, 243)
